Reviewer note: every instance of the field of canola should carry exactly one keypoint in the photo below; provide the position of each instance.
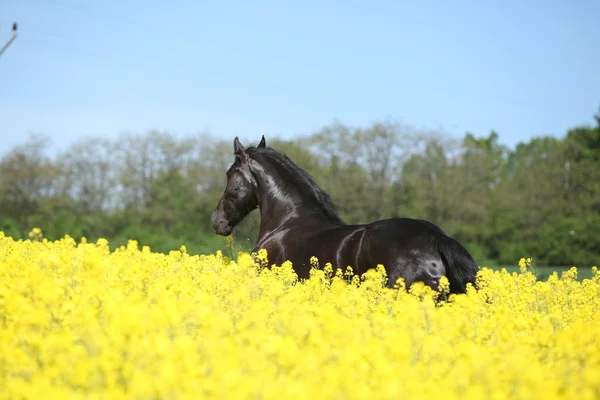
(80, 321)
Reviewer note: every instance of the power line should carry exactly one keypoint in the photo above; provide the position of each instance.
(12, 38)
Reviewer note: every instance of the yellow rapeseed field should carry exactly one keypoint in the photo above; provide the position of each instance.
(80, 321)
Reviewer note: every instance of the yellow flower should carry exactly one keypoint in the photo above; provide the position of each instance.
(36, 234)
(78, 320)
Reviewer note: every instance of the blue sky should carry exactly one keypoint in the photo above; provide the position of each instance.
(523, 68)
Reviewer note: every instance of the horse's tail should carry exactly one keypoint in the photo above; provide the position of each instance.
(461, 268)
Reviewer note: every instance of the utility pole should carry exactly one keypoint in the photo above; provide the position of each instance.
(12, 38)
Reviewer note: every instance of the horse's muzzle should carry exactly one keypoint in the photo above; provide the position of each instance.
(221, 225)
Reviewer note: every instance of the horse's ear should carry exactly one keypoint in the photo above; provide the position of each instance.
(262, 143)
(239, 149)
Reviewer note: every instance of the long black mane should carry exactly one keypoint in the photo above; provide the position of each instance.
(318, 198)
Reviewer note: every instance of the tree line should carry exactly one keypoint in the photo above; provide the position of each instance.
(540, 199)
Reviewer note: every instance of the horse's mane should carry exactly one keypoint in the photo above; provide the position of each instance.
(319, 198)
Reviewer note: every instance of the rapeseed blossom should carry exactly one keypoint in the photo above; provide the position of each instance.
(80, 321)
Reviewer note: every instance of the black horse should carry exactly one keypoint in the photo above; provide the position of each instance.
(298, 220)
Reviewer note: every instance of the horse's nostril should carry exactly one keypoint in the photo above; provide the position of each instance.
(218, 222)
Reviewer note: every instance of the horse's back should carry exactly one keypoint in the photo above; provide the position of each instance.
(407, 247)
(400, 227)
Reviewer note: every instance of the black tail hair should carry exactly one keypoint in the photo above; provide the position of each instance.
(461, 268)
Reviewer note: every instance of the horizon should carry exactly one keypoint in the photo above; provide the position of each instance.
(234, 69)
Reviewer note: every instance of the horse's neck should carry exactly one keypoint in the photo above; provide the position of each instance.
(283, 203)
(279, 202)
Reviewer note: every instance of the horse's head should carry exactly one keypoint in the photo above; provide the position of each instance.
(241, 193)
